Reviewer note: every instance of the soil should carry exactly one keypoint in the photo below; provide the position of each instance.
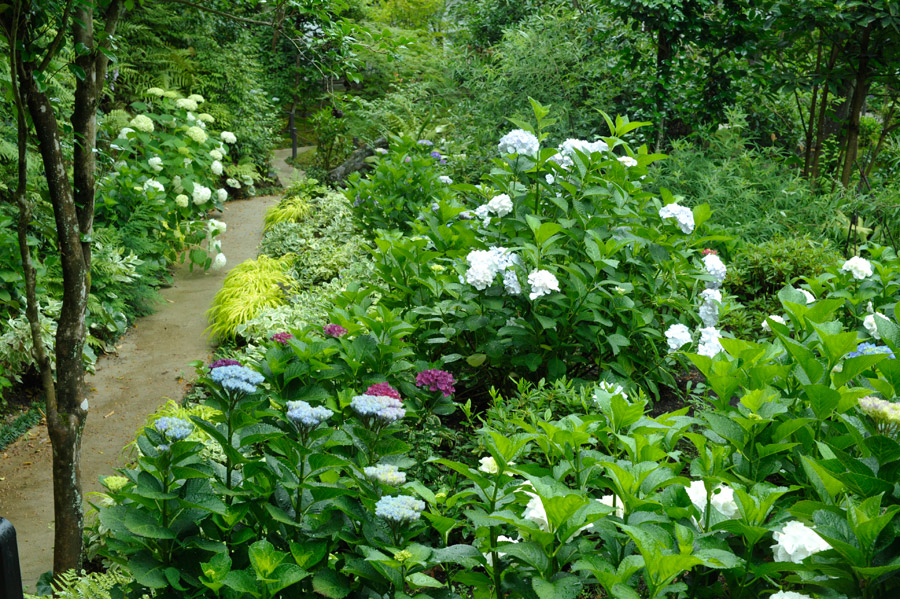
(150, 367)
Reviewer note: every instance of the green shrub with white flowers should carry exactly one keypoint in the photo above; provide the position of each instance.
(169, 170)
(558, 263)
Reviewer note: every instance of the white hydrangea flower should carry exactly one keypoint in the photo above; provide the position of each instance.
(154, 184)
(445, 180)
(205, 117)
(501, 205)
(188, 162)
(788, 594)
(219, 262)
(859, 267)
(488, 465)
(613, 501)
(628, 161)
(216, 227)
(123, 134)
(709, 307)
(775, 318)
(216, 154)
(197, 134)
(196, 98)
(677, 336)
(542, 283)
(170, 94)
(228, 137)
(155, 163)
(716, 269)
(613, 389)
(216, 246)
(216, 168)
(221, 195)
(181, 200)
(535, 512)
(519, 141)
(796, 542)
(232, 182)
(484, 265)
(709, 342)
(511, 282)
(722, 499)
(155, 91)
(142, 123)
(500, 539)
(682, 214)
(810, 298)
(177, 187)
(201, 194)
(186, 104)
(550, 179)
(871, 327)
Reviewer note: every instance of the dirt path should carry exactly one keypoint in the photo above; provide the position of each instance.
(151, 367)
(287, 173)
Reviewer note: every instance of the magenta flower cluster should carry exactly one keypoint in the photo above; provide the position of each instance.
(383, 390)
(334, 330)
(436, 380)
(223, 362)
(282, 338)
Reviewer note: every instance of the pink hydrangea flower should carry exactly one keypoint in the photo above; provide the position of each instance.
(334, 330)
(436, 380)
(708, 251)
(282, 338)
(384, 390)
(223, 362)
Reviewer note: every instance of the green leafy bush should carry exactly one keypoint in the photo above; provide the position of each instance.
(249, 288)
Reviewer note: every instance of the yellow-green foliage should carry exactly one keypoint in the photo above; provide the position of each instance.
(96, 585)
(173, 409)
(248, 289)
(290, 209)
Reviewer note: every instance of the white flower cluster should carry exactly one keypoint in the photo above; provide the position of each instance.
(221, 195)
(228, 137)
(614, 502)
(709, 306)
(485, 265)
(141, 123)
(682, 214)
(216, 154)
(880, 410)
(796, 542)
(196, 98)
(155, 91)
(197, 134)
(519, 141)
(859, 267)
(566, 150)
(154, 184)
(216, 168)
(612, 389)
(871, 327)
(628, 161)
(722, 499)
(774, 318)
(709, 342)
(401, 508)
(716, 269)
(155, 163)
(445, 180)
(219, 262)
(386, 474)
(677, 336)
(789, 595)
(182, 200)
(501, 205)
(185, 104)
(542, 283)
(488, 465)
(216, 227)
(201, 194)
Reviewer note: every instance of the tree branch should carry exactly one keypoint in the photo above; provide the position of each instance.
(60, 36)
(222, 14)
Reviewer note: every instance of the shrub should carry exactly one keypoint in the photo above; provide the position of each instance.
(249, 288)
(764, 268)
(289, 210)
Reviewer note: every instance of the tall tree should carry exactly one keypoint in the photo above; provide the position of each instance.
(35, 32)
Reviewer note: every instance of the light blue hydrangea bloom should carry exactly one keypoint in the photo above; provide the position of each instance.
(175, 429)
(386, 474)
(870, 349)
(382, 407)
(401, 508)
(303, 414)
(236, 378)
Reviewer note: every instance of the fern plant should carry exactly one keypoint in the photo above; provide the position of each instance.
(72, 585)
(248, 289)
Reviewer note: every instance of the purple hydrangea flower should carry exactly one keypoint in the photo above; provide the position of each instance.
(425, 142)
(435, 154)
(436, 380)
(334, 330)
(223, 362)
(282, 338)
(384, 390)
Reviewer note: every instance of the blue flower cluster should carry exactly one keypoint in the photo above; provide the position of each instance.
(870, 349)
(236, 378)
(386, 474)
(175, 429)
(382, 407)
(303, 414)
(401, 508)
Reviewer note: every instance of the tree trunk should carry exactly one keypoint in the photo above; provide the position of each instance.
(860, 90)
(810, 131)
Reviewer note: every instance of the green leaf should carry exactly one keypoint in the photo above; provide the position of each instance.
(331, 584)
(566, 587)
(476, 360)
(530, 553)
(423, 580)
(265, 558)
(823, 400)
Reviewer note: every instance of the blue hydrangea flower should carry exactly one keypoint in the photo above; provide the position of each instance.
(175, 429)
(425, 142)
(386, 474)
(401, 508)
(304, 415)
(381, 407)
(236, 378)
(870, 349)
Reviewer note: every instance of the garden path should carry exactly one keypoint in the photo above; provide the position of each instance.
(149, 367)
(287, 173)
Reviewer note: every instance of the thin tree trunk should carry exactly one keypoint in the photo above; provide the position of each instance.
(808, 150)
(823, 111)
(856, 105)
